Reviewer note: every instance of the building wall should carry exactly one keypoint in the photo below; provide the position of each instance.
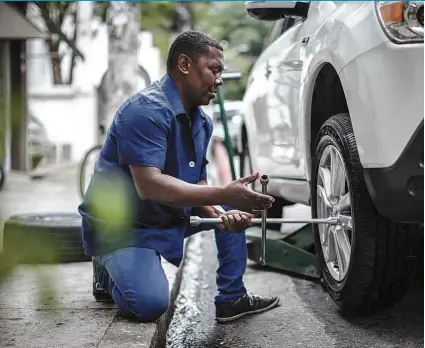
(4, 105)
(7, 110)
(70, 113)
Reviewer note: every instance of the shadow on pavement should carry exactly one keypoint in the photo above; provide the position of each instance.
(399, 326)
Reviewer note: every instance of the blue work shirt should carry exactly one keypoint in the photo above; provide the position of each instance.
(150, 129)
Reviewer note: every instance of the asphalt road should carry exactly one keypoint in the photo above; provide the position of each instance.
(306, 317)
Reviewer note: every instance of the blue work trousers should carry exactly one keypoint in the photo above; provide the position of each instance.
(139, 286)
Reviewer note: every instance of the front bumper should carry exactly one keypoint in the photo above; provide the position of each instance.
(398, 191)
(384, 88)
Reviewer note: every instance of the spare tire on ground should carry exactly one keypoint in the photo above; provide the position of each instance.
(43, 238)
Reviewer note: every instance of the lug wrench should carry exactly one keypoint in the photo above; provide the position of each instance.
(196, 221)
(264, 181)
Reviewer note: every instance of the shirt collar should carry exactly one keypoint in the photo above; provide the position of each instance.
(172, 94)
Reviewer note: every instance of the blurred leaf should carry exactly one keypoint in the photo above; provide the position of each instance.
(111, 201)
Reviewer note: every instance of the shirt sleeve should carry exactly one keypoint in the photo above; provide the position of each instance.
(141, 136)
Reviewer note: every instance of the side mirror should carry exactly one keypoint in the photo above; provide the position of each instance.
(274, 10)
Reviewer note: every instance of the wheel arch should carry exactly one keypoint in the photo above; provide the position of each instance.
(325, 98)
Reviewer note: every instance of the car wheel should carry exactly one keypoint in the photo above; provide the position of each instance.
(366, 262)
(276, 210)
(2, 177)
(44, 238)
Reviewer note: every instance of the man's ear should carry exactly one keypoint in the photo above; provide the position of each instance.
(184, 64)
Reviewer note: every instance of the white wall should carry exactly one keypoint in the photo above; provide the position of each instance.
(5, 100)
(68, 114)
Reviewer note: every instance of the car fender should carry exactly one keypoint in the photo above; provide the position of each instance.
(337, 41)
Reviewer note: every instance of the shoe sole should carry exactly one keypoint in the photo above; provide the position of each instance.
(103, 300)
(101, 296)
(226, 320)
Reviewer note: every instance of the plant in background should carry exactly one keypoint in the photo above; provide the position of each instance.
(242, 37)
(55, 15)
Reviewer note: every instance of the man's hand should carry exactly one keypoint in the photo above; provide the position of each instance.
(152, 184)
(235, 221)
(239, 196)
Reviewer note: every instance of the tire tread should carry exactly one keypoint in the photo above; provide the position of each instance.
(384, 260)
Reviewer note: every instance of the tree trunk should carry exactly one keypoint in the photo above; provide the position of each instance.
(56, 61)
(123, 20)
(74, 39)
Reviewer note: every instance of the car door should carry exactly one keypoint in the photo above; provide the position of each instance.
(256, 101)
(283, 159)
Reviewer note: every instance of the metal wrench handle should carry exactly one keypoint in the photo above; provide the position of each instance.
(264, 181)
(197, 220)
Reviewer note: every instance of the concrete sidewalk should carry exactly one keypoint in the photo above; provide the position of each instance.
(51, 305)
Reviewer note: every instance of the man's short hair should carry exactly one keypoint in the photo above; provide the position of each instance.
(191, 43)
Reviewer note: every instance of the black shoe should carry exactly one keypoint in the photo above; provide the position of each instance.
(245, 305)
(99, 277)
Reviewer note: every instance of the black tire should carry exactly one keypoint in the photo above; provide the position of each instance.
(44, 238)
(276, 210)
(82, 171)
(2, 177)
(383, 258)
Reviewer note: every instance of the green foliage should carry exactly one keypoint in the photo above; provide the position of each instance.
(111, 204)
(227, 22)
(244, 36)
(157, 18)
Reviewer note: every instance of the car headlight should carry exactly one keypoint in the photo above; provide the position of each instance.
(402, 21)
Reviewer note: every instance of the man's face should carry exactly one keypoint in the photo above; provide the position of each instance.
(204, 77)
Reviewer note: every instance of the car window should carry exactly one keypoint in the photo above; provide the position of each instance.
(274, 32)
(289, 22)
(278, 28)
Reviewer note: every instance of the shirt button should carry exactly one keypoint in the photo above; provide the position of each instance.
(191, 164)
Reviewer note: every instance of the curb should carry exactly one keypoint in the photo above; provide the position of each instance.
(163, 323)
(186, 309)
(41, 172)
(47, 170)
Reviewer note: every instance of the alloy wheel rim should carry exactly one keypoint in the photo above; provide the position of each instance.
(334, 200)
